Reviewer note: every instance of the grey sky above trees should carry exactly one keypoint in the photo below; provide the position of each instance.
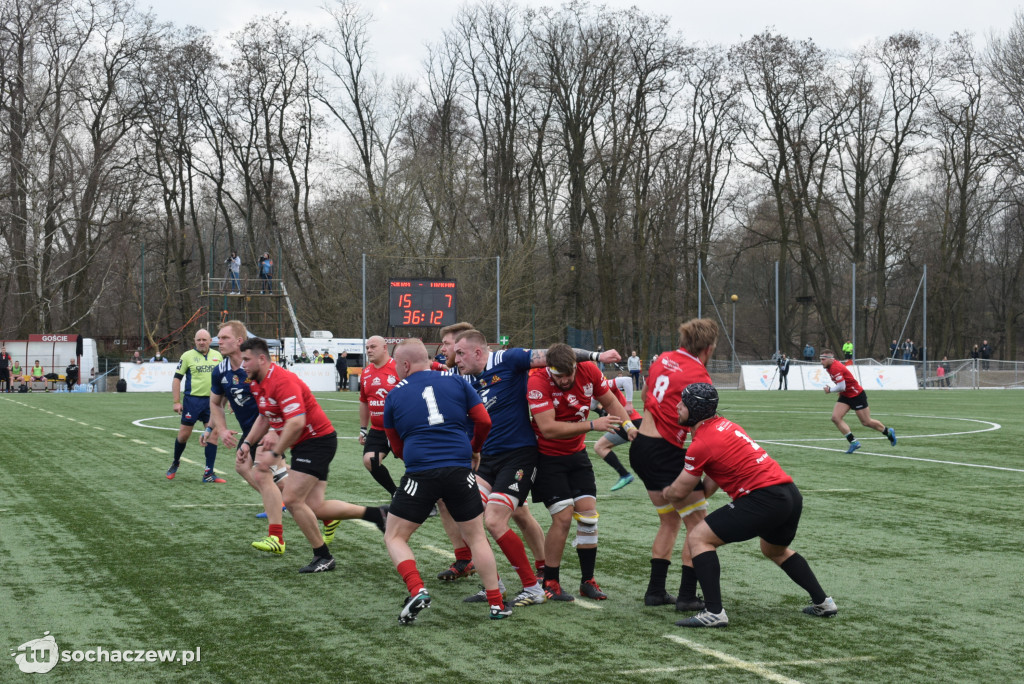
(402, 27)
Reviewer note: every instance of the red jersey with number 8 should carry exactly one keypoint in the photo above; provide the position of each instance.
(670, 374)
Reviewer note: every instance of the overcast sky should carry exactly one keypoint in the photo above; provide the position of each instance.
(402, 27)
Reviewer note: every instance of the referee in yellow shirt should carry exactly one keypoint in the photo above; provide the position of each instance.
(196, 368)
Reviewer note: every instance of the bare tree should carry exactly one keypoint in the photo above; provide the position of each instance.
(792, 132)
(959, 199)
(370, 113)
(1005, 132)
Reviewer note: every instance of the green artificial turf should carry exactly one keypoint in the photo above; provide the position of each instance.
(919, 544)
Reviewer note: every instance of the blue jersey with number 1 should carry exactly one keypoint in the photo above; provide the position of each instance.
(430, 412)
(502, 387)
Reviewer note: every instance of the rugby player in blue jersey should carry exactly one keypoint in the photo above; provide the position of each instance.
(508, 462)
(428, 416)
(530, 529)
(230, 381)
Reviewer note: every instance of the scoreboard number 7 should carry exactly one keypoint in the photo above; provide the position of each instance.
(422, 303)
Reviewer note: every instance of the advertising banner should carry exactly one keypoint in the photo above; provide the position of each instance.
(871, 377)
(148, 377)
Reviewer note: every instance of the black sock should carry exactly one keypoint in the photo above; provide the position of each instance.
(709, 574)
(381, 474)
(373, 514)
(849, 437)
(613, 460)
(551, 573)
(688, 584)
(659, 571)
(322, 552)
(800, 572)
(588, 559)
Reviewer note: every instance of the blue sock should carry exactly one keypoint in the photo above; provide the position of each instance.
(211, 455)
(179, 449)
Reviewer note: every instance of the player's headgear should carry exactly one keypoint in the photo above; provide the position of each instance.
(701, 400)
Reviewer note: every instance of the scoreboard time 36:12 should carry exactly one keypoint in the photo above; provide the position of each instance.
(429, 303)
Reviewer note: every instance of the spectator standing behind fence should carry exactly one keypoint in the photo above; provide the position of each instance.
(975, 354)
(894, 349)
(137, 357)
(783, 372)
(943, 372)
(986, 354)
(266, 266)
(809, 352)
(907, 349)
(633, 366)
(5, 370)
(342, 366)
(848, 350)
(234, 263)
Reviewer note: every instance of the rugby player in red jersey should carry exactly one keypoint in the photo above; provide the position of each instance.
(509, 457)
(657, 456)
(560, 397)
(765, 503)
(622, 388)
(851, 396)
(288, 408)
(376, 380)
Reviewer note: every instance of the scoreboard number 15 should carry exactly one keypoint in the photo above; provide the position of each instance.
(424, 303)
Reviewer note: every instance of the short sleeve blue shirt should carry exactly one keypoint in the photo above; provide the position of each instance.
(502, 388)
(234, 384)
(430, 412)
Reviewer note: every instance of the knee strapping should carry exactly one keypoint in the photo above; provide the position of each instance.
(502, 499)
(559, 506)
(701, 505)
(667, 508)
(484, 493)
(586, 528)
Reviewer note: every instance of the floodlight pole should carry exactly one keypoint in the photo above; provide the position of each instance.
(778, 347)
(924, 322)
(364, 308)
(142, 313)
(497, 310)
(732, 366)
(853, 308)
(700, 287)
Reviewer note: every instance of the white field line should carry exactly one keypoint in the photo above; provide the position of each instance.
(754, 668)
(724, 666)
